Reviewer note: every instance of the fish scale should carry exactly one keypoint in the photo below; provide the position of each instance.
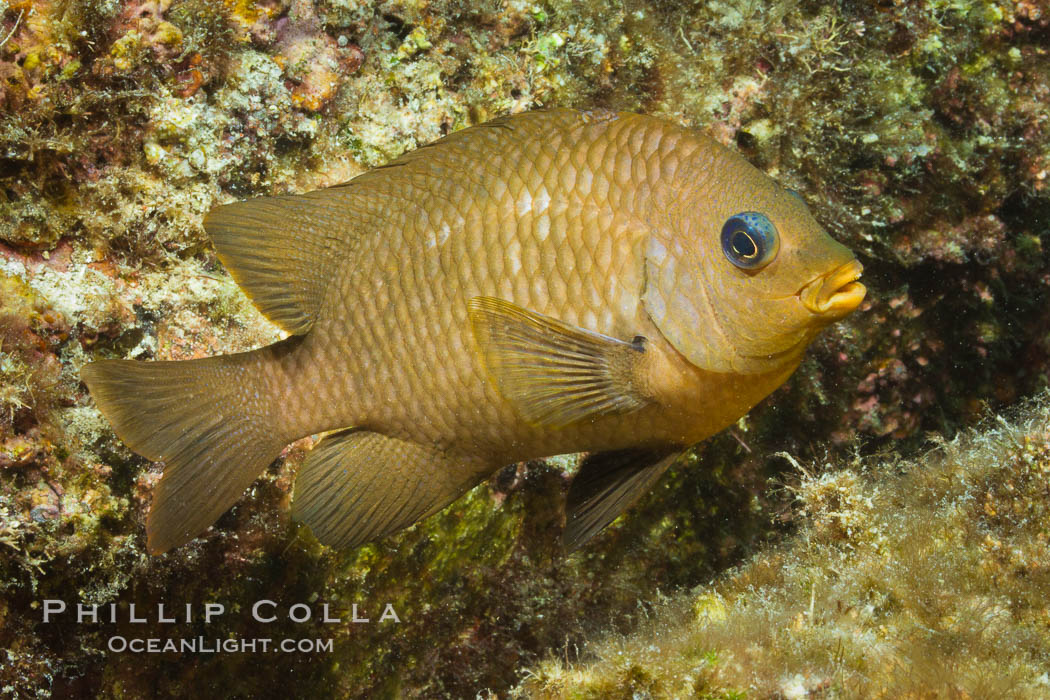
(546, 283)
(563, 281)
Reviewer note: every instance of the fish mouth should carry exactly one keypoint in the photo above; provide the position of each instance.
(835, 294)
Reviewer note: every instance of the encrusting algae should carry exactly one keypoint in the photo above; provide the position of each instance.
(552, 282)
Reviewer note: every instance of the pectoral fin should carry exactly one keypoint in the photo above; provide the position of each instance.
(554, 373)
(357, 486)
(606, 485)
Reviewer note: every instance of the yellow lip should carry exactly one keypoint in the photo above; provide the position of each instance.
(836, 293)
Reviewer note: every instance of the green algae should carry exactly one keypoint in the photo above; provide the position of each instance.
(925, 577)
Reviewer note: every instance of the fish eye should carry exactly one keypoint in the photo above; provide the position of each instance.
(750, 240)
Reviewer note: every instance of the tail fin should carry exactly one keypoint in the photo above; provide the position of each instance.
(206, 419)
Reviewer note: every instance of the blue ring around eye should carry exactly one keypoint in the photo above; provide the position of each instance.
(750, 240)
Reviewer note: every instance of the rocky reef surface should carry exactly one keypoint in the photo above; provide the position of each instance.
(919, 578)
(918, 131)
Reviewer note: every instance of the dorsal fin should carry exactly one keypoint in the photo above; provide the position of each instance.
(283, 250)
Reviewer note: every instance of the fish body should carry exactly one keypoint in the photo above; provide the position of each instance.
(552, 282)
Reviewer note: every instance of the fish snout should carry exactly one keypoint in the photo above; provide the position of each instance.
(835, 294)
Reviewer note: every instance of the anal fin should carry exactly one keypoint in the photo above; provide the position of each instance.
(357, 486)
(555, 373)
(606, 485)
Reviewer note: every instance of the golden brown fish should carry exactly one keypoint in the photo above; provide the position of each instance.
(546, 283)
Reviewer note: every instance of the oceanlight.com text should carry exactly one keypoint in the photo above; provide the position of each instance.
(206, 645)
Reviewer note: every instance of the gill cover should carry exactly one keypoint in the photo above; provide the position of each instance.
(681, 307)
